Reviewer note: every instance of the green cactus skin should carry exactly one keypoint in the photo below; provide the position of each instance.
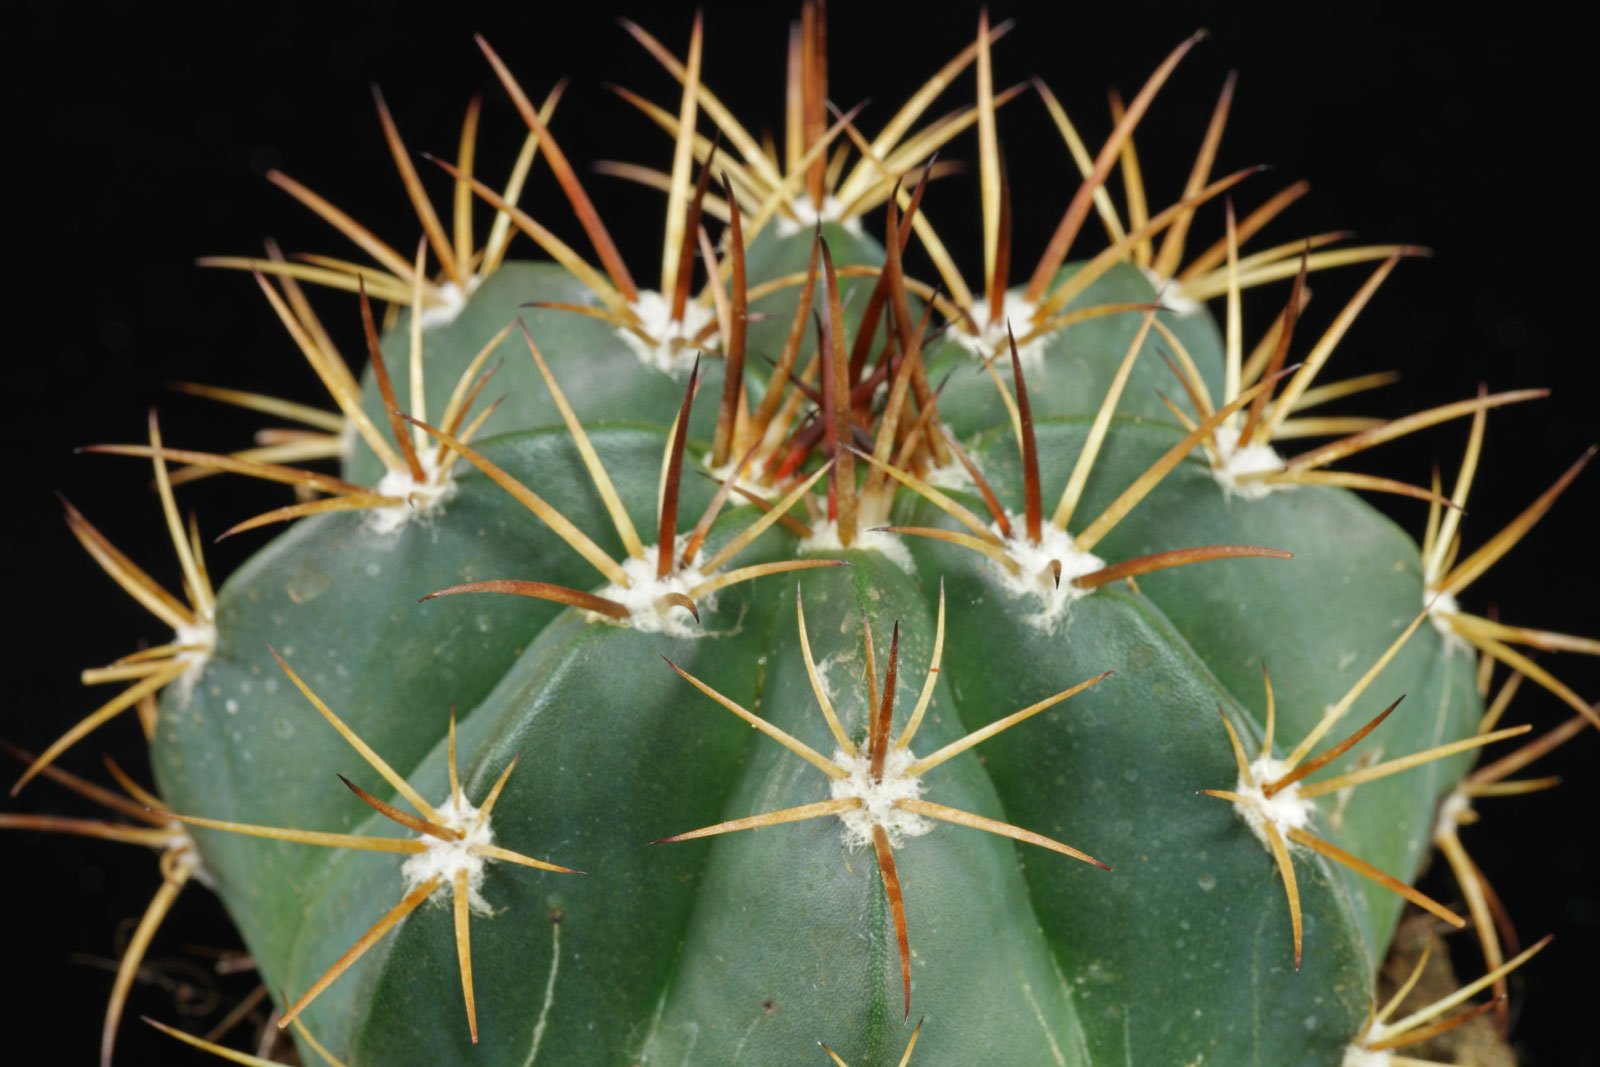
(750, 947)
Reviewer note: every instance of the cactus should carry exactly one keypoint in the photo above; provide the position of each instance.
(823, 661)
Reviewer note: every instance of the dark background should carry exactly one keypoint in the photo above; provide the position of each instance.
(140, 141)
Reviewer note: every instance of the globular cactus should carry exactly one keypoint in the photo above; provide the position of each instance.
(814, 654)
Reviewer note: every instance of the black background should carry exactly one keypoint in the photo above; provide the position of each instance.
(139, 139)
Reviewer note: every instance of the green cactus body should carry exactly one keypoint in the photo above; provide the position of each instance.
(752, 945)
(739, 949)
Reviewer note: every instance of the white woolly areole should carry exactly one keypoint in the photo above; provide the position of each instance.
(990, 337)
(1035, 579)
(349, 444)
(1286, 809)
(1171, 294)
(642, 598)
(825, 538)
(746, 481)
(446, 859)
(952, 475)
(1450, 812)
(666, 350)
(1441, 608)
(878, 798)
(1356, 1056)
(1253, 458)
(452, 298)
(420, 497)
(182, 850)
(806, 216)
(200, 639)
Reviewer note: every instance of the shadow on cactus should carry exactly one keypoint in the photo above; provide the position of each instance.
(874, 446)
